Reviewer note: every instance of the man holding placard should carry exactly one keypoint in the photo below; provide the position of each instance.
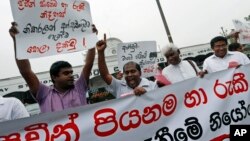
(65, 93)
(134, 83)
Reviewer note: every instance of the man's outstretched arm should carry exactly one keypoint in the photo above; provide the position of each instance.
(24, 65)
(106, 76)
(89, 60)
(88, 64)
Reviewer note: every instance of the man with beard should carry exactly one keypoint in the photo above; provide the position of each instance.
(223, 59)
(65, 93)
(133, 84)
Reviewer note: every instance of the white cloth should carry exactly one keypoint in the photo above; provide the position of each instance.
(120, 87)
(180, 72)
(214, 63)
(11, 108)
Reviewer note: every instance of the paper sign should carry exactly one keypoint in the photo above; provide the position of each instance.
(144, 53)
(244, 30)
(50, 27)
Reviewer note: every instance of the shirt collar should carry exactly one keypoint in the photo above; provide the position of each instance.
(228, 54)
(177, 65)
(144, 82)
(54, 89)
(58, 92)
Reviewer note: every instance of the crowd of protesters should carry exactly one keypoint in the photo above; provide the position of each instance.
(67, 92)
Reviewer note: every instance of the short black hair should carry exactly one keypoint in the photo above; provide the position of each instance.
(217, 39)
(57, 66)
(137, 66)
(234, 46)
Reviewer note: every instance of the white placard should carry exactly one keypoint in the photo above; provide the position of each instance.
(50, 27)
(244, 29)
(143, 52)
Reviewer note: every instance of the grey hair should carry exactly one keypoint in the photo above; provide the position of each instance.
(169, 47)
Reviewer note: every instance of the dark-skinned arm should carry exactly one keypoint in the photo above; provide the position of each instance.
(106, 76)
(89, 60)
(88, 64)
(24, 65)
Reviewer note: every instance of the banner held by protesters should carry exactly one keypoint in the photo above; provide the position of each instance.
(203, 109)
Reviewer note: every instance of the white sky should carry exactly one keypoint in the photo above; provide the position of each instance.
(190, 21)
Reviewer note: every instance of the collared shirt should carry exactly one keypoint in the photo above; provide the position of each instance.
(50, 100)
(180, 72)
(120, 87)
(11, 108)
(214, 63)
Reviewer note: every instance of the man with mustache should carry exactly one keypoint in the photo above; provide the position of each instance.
(133, 84)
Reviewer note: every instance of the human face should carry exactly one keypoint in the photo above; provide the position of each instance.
(220, 49)
(64, 79)
(173, 57)
(132, 75)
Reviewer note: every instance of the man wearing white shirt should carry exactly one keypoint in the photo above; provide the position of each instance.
(178, 70)
(123, 88)
(222, 58)
(133, 84)
(11, 108)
